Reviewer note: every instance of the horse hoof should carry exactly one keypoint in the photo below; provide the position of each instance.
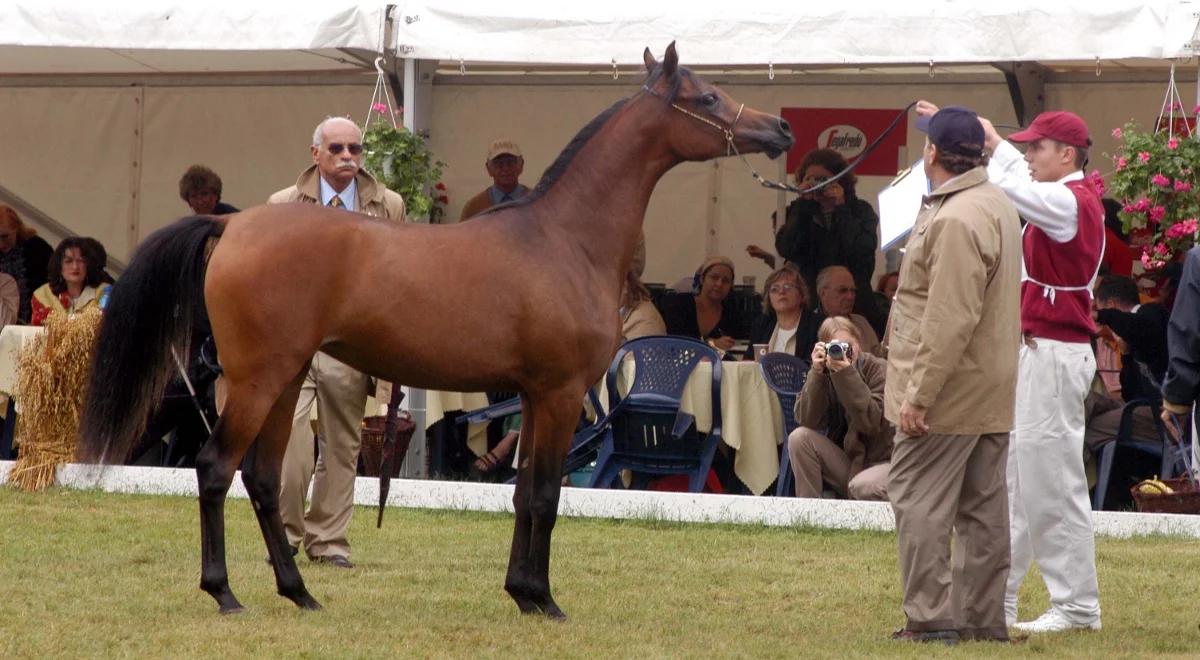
(308, 603)
(236, 608)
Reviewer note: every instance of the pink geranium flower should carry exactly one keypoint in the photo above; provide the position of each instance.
(1142, 205)
(1182, 186)
(1156, 214)
(1183, 229)
(1160, 180)
(379, 107)
(1144, 156)
(1173, 143)
(1121, 163)
(1117, 133)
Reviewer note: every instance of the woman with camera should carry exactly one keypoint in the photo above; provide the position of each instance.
(831, 227)
(843, 439)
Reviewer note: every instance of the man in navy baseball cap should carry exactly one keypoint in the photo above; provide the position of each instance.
(954, 130)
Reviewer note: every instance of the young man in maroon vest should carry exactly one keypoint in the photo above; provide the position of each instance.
(1049, 510)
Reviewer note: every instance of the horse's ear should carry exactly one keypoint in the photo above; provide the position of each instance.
(670, 61)
(648, 57)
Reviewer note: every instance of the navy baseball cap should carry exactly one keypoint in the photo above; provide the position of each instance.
(955, 130)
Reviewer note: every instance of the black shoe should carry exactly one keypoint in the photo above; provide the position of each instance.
(337, 561)
(947, 637)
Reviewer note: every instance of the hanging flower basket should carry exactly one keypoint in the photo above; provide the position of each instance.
(402, 161)
(1156, 180)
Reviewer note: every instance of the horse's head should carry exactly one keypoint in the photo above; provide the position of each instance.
(704, 120)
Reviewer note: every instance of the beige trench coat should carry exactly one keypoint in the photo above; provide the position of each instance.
(956, 318)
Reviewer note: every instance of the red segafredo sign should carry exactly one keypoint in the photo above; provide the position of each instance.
(847, 131)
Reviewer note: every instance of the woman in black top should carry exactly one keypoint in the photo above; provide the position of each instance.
(25, 256)
(831, 227)
(706, 315)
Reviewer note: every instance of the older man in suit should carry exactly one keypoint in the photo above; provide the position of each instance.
(335, 179)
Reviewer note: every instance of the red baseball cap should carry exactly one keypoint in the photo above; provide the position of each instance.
(1066, 127)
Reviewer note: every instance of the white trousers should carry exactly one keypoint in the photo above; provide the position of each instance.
(1050, 514)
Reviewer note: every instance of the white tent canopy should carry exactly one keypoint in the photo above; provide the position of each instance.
(787, 32)
(140, 36)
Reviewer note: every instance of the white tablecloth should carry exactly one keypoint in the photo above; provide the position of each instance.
(12, 339)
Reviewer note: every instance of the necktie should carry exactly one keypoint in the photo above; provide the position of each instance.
(336, 202)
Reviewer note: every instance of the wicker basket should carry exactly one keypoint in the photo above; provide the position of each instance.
(1185, 499)
(372, 443)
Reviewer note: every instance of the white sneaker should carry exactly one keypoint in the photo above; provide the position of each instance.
(1051, 621)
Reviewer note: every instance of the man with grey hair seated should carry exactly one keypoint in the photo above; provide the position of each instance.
(836, 293)
(335, 179)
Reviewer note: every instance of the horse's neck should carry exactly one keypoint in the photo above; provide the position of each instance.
(601, 197)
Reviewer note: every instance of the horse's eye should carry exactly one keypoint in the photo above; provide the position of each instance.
(709, 100)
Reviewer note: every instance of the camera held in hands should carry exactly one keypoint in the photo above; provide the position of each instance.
(838, 350)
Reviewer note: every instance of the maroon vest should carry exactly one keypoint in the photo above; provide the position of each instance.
(1055, 299)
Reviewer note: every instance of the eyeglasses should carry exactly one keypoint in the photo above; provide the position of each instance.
(782, 288)
(335, 148)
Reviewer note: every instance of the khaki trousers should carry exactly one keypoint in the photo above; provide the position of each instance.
(816, 460)
(340, 394)
(941, 483)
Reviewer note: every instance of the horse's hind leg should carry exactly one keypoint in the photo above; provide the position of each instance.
(261, 475)
(528, 579)
(215, 467)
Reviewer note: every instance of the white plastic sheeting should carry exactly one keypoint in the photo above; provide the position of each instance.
(141, 36)
(789, 32)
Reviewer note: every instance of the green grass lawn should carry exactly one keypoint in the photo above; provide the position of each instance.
(87, 574)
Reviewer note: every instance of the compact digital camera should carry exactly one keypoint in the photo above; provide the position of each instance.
(838, 350)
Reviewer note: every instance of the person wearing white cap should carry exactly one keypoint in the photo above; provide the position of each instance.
(504, 164)
(1063, 244)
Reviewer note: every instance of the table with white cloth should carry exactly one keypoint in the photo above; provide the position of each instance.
(13, 339)
(751, 420)
(438, 403)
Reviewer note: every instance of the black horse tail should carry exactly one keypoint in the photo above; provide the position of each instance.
(149, 314)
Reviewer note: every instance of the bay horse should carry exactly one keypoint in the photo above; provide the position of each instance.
(522, 298)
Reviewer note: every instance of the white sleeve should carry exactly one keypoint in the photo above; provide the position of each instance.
(1050, 206)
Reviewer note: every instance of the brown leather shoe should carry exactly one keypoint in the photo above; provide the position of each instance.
(337, 561)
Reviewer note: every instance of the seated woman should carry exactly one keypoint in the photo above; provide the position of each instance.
(639, 318)
(843, 439)
(76, 280)
(705, 315)
(787, 325)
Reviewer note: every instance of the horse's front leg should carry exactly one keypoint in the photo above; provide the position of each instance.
(539, 484)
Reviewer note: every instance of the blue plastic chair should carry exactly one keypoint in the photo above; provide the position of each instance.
(785, 376)
(1171, 454)
(647, 432)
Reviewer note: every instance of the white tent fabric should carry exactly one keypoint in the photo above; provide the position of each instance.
(143, 36)
(788, 32)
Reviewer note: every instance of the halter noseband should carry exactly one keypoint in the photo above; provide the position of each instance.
(730, 147)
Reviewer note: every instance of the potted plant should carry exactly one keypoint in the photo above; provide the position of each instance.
(1156, 181)
(402, 161)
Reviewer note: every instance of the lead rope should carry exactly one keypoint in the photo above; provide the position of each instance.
(731, 148)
